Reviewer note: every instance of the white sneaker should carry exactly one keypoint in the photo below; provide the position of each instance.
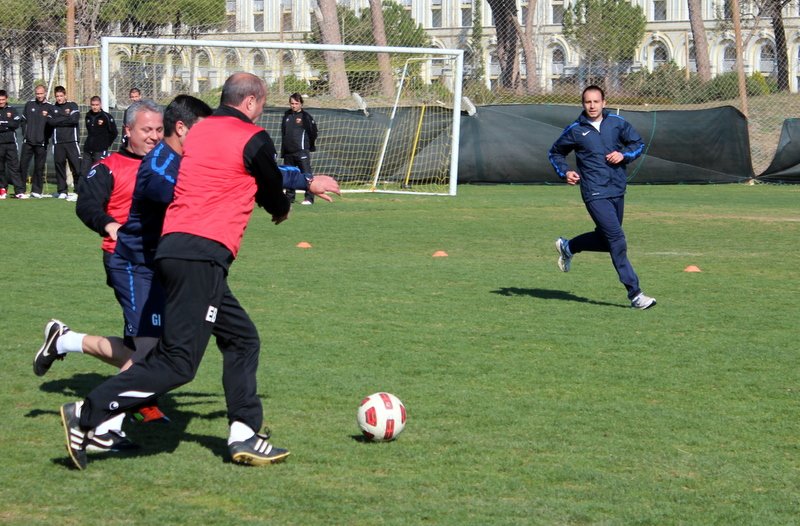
(72, 198)
(307, 202)
(62, 195)
(564, 260)
(21, 196)
(642, 302)
(35, 195)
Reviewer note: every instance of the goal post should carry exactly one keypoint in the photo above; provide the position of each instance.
(395, 137)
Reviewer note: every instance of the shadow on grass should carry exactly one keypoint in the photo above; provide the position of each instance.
(154, 438)
(550, 294)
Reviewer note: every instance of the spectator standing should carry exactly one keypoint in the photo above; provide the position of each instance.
(9, 160)
(134, 95)
(101, 131)
(298, 140)
(64, 120)
(34, 144)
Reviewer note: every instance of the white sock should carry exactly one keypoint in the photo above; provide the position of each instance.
(240, 432)
(112, 424)
(70, 341)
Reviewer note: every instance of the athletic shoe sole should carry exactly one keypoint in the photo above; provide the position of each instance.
(251, 459)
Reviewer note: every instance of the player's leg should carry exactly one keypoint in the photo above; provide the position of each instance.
(60, 341)
(26, 156)
(607, 215)
(60, 164)
(289, 160)
(304, 163)
(37, 179)
(12, 167)
(193, 293)
(74, 160)
(237, 339)
(141, 298)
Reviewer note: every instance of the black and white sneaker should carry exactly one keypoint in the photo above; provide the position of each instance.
(48, 353)
(76, 438)
(112, 442)
(256, 451)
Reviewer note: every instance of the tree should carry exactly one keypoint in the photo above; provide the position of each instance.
(528, 49)
(774, 10)
(505, 14)
(607, 33)
(700, 41)
(328, 23)
(379, 33)
(363, 69)
(29, 31)
(474, 56)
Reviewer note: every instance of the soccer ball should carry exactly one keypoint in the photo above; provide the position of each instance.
(381, 417)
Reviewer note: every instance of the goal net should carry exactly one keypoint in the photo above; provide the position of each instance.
(388, 117)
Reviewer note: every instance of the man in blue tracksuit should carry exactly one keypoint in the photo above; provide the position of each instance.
(603, 144)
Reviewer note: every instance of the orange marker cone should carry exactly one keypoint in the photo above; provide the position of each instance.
(304, 244)
(440, 254)
(692, 268)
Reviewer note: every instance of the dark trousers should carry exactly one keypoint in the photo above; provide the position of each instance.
(88, 159)
(303, 161)
(199, 304)
(39, 155)
(9, 168)
(63, 153)
(608, 236)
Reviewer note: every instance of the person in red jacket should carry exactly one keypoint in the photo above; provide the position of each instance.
(202, 234)
(103, 205)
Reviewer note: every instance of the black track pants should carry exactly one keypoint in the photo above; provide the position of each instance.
(198, 304)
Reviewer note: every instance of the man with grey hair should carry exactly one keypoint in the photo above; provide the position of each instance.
(201, 237)
(103, 205)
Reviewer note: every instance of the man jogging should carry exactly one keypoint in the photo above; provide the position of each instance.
(603, 144)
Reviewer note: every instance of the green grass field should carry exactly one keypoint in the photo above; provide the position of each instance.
(534, 397)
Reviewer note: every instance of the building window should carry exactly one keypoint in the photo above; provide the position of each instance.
(286, 22)
(523, 14)
(558, 62)
(660, 56)
(558, 12)
(659, 10)
(466, 16)
(436, 17)
(230, 6)
(727, 9)
(258, 6)
(767, 59)
(729, 59)
(692, 60)
(258, 22)
(230, 22)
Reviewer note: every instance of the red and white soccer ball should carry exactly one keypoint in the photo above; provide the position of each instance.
(381, 417)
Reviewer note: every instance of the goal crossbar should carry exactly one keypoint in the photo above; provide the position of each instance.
(455, 55)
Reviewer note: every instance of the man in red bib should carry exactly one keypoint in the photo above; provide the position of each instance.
(201, 238)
